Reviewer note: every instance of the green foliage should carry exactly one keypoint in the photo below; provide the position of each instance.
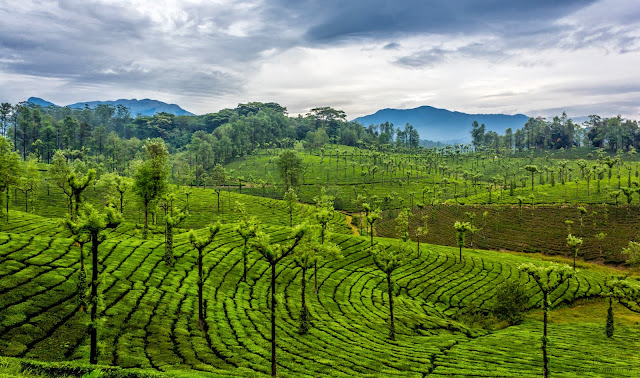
(402, 224)
(291, 199)
(290, 168)
(510, 302)
(151, 176)
(632, 251)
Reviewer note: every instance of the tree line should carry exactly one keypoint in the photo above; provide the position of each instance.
(611, 134)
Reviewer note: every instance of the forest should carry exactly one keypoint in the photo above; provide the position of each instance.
(248, 242)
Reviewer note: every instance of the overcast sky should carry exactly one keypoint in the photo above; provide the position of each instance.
(501, 56)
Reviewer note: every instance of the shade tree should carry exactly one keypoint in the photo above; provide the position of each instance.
(306, 256)
(274, 254)
(574, 244)
(200, 243)
(388, 259)
(621, 289)
(92, 224)
(548, 278)
(461, 229)
(10, 171)
(151, 176)
(172, 219)
(247, 228)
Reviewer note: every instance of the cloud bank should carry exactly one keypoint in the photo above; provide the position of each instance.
(474, 56)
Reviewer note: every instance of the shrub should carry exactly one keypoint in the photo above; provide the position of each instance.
(510, 302)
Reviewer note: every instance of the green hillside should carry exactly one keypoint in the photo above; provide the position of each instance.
(150, 311)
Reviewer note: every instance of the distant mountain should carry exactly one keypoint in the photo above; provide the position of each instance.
(443, 125)
(145, 107)
(41, 102)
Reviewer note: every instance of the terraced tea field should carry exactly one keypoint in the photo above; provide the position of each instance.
(540, 229)
(149, 318)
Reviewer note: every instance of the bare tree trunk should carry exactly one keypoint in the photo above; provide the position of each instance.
(200, 278)
(545, 309)
(273, 319)
(304, 311)
(392, 326)
(146, 220)
(93, 330)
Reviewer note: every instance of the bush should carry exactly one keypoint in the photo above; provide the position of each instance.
(510, 302)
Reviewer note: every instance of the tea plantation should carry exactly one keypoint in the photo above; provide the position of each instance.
(149, 321)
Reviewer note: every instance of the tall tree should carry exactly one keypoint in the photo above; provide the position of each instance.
(306, 256)
(291, 199)
(10, 170)
(621, 289)
(30, 181)
(461, 229)
(151, 176)
(218, 178)
(247, 228)
(93, 224)
(388, 259)
(172, 219)
(548, 278)
(371, 217)
(59, 172)
(323, 215)
(574, 243)
(290, 168)
(200, 243)
(273, 254)
(78, 183)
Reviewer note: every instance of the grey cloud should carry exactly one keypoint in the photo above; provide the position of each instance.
(424, 58)
(433, 56)
(335, 20)
(391, 46)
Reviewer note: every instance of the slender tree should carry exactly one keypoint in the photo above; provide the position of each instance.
(323, 215)
(311, 249)
(93, 224)
(387, 260)
(621, 289)
(200, 243)
(273, 254)
(173, 218)
(290, 168)
(78, 183)
(59, 172)
(10, 170)
(30, 181)
(548, 278)
(531, 169)
(461, 228)
(291, 199)
(422, 230)
(247, 228)
(151, 177)
(574, 243)
(371, 217)
(218, 178)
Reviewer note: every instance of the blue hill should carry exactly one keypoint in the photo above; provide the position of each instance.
(144, 107)
(441, 124)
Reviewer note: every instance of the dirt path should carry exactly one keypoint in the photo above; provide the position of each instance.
(354, 229)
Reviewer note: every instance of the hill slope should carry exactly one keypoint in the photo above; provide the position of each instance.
(150, 311)
(144, 107)
(441, 124)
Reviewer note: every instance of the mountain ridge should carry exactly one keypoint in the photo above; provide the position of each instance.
(443, 125)
(145, 107)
